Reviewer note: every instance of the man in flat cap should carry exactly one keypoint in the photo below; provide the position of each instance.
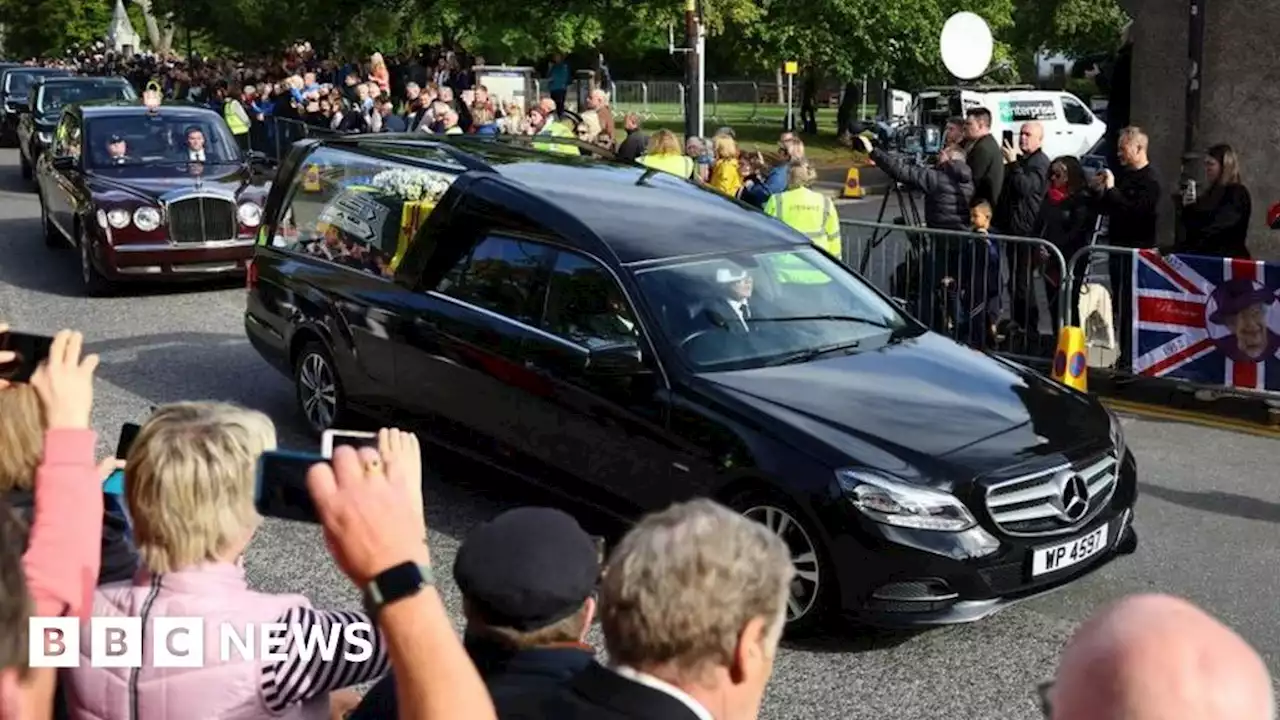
(528, 580)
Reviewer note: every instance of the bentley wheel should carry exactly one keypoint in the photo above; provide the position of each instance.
(813, 586)
(52, 236)
(318, 387)
(95, 285)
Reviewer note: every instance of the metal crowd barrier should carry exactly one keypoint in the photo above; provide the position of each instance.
(998, 293)
(1100, 287)
(731, 101)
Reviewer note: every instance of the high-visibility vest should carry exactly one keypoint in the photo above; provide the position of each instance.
(234, 121)
(556, 129)
(810, 213)
(678, 165)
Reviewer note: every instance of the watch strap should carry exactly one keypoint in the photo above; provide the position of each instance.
(396, 583)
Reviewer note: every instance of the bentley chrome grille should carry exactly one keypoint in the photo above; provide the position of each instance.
(202, 219)
(1056, 501)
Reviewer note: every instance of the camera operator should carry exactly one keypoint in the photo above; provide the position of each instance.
(948, 186)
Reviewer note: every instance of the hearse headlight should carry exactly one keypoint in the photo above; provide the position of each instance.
(901, 504)
(118, 218)
(250, 214)
(146, 218)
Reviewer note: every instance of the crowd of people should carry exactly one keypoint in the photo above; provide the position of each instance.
(691, 601)
(985, 292)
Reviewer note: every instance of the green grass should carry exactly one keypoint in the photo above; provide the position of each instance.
(757, 127)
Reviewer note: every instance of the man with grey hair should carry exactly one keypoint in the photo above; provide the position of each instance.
(692, 604)
(1155, 657)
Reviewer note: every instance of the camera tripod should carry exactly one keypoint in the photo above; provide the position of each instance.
(910, 217)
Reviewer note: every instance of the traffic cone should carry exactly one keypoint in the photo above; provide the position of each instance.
(1070, 362)
(853, 185)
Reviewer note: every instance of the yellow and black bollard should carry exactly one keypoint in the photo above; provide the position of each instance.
(1071, 361)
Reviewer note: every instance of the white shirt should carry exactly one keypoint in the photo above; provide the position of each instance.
(666, 688)
(196, 156)
(743, 308)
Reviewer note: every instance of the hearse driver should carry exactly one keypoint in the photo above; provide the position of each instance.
(733, 307)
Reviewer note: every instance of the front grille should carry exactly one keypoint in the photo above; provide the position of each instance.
(1033, 504)
(200, 219)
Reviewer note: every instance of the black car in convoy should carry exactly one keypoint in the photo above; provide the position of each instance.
(149, 193)
(629, 339)
(49, 96)
(15, 93)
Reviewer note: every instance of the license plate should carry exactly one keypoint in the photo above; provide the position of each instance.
(1059, 557)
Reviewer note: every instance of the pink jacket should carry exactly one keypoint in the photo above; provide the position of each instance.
(226, 691)
(63, 555)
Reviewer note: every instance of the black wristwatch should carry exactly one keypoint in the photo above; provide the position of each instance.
(396, 583)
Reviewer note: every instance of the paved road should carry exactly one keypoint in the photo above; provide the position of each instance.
(1209, 520)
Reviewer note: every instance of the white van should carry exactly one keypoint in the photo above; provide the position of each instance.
(1070, 127)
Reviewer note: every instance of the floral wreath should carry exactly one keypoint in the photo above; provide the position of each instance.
(412, 185)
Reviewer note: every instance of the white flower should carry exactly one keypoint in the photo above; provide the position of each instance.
(412, 184)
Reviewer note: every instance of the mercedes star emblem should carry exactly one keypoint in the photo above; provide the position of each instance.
(1074, 497)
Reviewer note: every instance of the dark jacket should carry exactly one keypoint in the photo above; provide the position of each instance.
(1131, 206)
(598, 693)
(633, 146)
(119, 559)
(774, 183)
(394, 124)
(1217, 224)
(1068, 224)
(515, 678)
(948, 188)
(1026, 181)
(987, 163)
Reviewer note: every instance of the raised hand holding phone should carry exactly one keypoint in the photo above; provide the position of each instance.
(64, 383)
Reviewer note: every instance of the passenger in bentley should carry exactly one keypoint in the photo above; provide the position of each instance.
(195, 145)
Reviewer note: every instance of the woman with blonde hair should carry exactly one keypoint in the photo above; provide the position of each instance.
(378, 72)
(726, 175)
(191, 486)
(22, 447)
(664, 153)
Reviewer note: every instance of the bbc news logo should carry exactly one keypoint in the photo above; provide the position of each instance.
(179, 642)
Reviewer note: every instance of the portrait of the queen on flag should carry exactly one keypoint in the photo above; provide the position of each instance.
(1207, 320)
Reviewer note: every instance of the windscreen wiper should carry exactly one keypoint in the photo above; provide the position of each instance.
(805, 356)
(842, 318)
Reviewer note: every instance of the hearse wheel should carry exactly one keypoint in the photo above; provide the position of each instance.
(813, 588)
(319, 390)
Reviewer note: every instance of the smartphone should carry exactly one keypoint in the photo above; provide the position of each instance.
(281, 490)
(355, 438)
(1008, 138)
(128, 433)
(31, 350)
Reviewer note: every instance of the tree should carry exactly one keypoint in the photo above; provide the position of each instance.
(45, 28)
(1073, 27)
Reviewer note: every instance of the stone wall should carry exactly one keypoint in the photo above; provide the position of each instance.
(1240, 98)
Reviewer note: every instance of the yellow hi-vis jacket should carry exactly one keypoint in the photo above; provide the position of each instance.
(678, 165)
(814, 215)
(556, 129)
(234, 122)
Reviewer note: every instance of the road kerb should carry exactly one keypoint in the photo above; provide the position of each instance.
(1187, 416)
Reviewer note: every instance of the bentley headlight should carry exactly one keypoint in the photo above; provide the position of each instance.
(118, 218)
(45, 138)
(250, 214)
(146, 218)
(102, 219)
(894, 502)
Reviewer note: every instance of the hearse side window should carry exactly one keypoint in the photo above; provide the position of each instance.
(1075, 113)
(66, 141)
(585, 305)
(356, 210)
(504, 275)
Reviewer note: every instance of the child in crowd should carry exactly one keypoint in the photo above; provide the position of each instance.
(752, 168)
(725, 173)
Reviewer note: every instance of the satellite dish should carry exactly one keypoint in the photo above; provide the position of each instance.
(966, 45)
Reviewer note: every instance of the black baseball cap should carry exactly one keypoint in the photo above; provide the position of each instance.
(114, 139)
(527, 569)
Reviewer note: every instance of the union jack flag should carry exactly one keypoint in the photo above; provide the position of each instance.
(1175, 333)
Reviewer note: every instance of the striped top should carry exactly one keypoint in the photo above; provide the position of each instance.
(303, 675)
